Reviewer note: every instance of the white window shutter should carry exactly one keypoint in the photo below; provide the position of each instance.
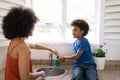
(112, 29)
(112, 20)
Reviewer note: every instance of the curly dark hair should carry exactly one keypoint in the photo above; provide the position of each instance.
(19, 22)
(82, 24)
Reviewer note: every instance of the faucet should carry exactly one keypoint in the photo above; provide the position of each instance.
(51, 59)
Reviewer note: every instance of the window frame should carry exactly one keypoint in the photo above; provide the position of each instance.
(65, 25)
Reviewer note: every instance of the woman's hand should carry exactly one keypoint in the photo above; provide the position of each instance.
(54, 51)
(61, 59)
(42, 74)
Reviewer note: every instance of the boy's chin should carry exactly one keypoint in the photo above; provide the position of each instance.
(74, 37)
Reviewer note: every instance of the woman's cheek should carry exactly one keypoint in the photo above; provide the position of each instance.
(31, 34)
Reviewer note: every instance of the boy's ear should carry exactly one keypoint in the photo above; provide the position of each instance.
(82, 31)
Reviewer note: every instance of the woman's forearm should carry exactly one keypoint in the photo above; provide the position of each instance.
(41, 47)
(33, 76)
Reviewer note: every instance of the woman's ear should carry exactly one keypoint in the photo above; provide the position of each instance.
(31, 33)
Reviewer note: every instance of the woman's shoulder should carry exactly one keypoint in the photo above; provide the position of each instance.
(23, 47)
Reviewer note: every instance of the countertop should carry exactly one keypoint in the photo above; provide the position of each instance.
(109, 73)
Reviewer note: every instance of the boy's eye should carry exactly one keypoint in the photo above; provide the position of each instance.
(75, 29)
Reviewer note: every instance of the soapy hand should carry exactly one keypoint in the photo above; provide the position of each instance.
(61, 59)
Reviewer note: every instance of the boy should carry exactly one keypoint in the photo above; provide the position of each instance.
(84, 67)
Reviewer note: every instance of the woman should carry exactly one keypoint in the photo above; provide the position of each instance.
(18, 25)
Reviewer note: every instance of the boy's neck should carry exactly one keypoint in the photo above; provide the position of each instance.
(79, 37)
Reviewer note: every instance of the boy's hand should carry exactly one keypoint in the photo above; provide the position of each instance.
(61, 59)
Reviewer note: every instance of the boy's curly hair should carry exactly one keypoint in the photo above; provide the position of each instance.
(82, 24)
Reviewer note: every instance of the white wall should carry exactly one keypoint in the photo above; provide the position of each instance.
(2, 57)
(113, 49)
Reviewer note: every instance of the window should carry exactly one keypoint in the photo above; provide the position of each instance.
(55, 18)
(46, 34)
(84, 9)
(48, 11)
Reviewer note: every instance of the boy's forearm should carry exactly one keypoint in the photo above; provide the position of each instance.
(74, 56)
(70, 57)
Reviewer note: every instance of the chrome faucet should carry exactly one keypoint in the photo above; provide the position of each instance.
(51, 59)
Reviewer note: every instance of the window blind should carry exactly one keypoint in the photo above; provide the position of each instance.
(112, 20)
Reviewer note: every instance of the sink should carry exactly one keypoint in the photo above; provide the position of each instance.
(52, 72)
